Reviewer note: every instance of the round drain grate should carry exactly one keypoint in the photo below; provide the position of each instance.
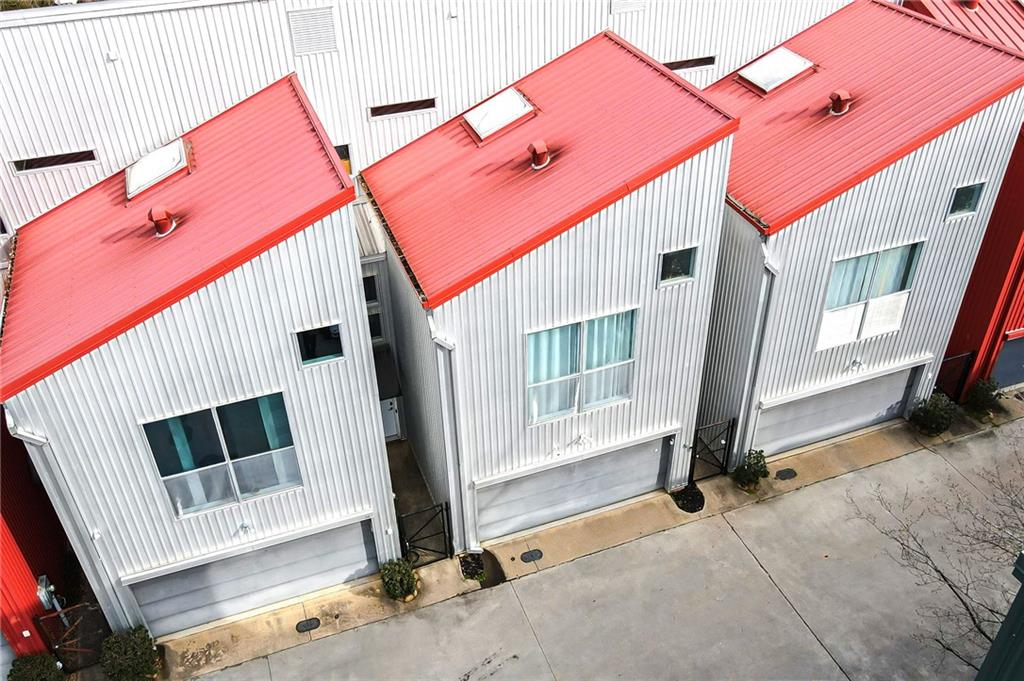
(785, 474)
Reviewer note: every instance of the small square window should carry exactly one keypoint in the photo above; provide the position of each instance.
(319, 345)
(965, 199)
(677, 265)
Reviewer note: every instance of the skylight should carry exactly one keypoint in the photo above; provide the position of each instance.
(775, 68)
(497, 112)
(155, 166)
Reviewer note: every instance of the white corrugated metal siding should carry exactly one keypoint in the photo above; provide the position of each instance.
(418, 369)
(83, 79)
(605, 264)
(902, 204)
(231, 340)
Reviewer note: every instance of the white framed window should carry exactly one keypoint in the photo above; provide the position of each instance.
(676, 266)
(224, 454)
(867, 295)
(38, 163)
(154, 167)
(321, 344)
(374, 313)
(965, 200)
(580, 366)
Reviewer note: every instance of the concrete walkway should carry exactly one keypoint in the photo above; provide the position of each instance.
(790, 588)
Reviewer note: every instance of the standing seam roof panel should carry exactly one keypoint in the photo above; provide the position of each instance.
(613, 119)
(911, 79)
(91, 268)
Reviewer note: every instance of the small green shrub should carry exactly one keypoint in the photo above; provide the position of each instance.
(934, 415)
(983, 397)
(749, 473)
(398, 577)
(42, 667)
(130, 656)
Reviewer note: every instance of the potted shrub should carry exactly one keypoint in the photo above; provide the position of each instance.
(42, 667)
(748, 474)
(935, 415)
(400, 581)
(130, 656)
(983, 398)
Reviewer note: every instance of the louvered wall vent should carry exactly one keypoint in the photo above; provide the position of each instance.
(621, 6)
(312, 30)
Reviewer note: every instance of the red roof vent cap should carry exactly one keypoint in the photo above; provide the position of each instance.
(839, 102)
(539, 156)
(163, 222)
(970, 5)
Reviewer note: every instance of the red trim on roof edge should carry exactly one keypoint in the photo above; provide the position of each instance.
(13, 386)
(628, 187)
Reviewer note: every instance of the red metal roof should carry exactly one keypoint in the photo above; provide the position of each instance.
(1001, 21)
(613, 119)
(911, 79)
(91, 268)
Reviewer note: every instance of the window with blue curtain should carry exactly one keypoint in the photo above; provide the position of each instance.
(218, 456)
(862, 299)
(579, 366)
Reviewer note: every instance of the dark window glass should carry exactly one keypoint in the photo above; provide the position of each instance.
(689, 63)
(319, 344)
(965, 199)
(184, 443)
(370, 288)
(376, 329)
(343, 154)
(54, 161)
(677, 264)
(255, 426)
(401, 107)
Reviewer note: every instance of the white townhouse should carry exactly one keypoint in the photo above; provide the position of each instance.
(95, 86)
(552, 255)
(870, 152)
(186, 354)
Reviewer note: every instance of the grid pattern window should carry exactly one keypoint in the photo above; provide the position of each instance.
(224, 455)
(677, 265)
(373, 310)
(867, 295)
(965, 200)
(320, 345)
(580, 366)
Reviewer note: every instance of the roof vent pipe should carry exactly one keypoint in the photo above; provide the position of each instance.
(539, 156)
(970, 5)
(163, 222)
(839, 102)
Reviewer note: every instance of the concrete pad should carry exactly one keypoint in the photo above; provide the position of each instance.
(987, 451)
(483, 635)
(834, 569)
(234, 643)
(367, 603)
(689, 603)
(253, 670)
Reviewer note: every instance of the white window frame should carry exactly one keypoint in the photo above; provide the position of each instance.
(403, 114)
(51, 169)
(239, 499)
(950, 216)
(664, 283)
(866, 303)
(326, 360)
(375, 307)
(580, 375)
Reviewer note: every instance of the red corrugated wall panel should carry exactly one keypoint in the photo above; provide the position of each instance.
(32, 542)
(994, 302)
